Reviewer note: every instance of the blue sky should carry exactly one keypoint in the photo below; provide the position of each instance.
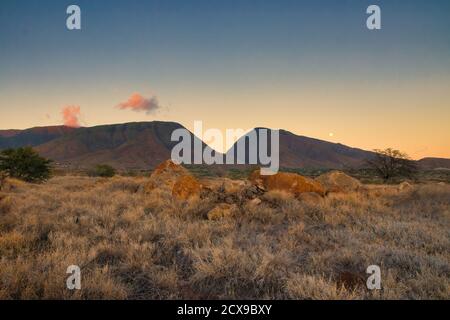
(311, 67)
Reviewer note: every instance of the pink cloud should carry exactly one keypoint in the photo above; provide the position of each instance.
(138, 103)
(70, 116)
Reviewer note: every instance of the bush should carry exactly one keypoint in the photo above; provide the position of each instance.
(25, 164)
(3, 176)
(390, 163)
(103, 170)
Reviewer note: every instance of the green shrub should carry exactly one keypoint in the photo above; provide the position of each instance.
(103, 170)
(25, 164)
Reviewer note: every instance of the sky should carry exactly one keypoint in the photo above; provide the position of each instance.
(310, 67)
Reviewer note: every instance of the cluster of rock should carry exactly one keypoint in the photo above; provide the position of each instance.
(231, 194)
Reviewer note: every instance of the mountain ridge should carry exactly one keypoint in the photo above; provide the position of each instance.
(143, 145)
(13, 138)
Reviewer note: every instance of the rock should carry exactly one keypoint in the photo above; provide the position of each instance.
(310, 197)
(165, 176)
(186, 187)
(224, 190)
(337, 181)
(254, 202)
(252, 192)
(170, 167)
(223, 210)
(234, 186)
(404, 186)
(277, 197)
(174, 179)
(256, 179)
(230, 199)
(286, 181)
(225, 185)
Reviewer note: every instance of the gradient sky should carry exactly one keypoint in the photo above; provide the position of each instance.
(310, 67)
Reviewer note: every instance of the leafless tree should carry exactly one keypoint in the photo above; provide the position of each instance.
(390, 163)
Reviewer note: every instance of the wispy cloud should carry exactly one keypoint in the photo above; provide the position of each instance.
(71, 116)
(136, 102)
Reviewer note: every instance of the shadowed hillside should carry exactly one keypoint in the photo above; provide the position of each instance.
(130, 145)
(303, 152)
(142, 145)
(31, 137)
(434, 163)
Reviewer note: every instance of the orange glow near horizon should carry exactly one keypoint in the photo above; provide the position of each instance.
(413, 118)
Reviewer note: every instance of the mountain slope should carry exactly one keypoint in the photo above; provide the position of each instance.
(31, 137)
(303, 152)
(140, 145)
(299, 151)
(9, 133)
(143, 145)
(434, 163)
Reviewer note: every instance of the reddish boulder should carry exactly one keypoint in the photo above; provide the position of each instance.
(286, 181)
(337, 181)
(174, 179)
(186, 187)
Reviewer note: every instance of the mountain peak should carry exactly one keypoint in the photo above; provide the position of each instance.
(144, 144)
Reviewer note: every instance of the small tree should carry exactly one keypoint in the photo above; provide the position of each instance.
(103, 170)
(25, 164)
(390, 163)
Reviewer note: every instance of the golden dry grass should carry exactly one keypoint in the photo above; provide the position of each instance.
(131, 245)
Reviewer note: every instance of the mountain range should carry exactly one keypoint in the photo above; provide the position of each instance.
(143, 145)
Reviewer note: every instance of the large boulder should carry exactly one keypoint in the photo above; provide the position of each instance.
(285, 181)
(337, 181)
(164, 176)
(186, 187)
(174, 179)
(169, 168)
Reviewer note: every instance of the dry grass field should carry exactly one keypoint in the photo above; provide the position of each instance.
(134, 245)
